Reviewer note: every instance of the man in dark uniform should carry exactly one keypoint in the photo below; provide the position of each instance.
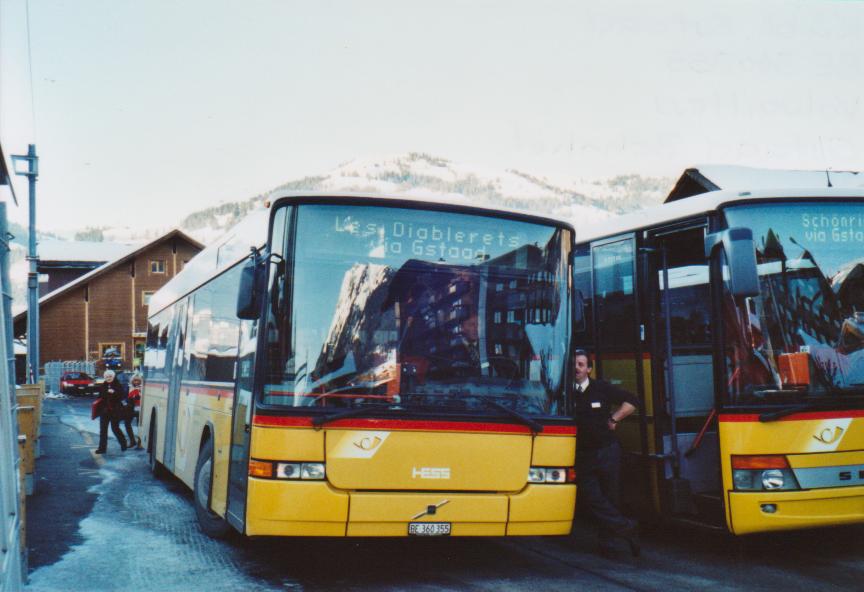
(598, 408)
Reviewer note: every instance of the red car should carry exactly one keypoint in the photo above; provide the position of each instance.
(77, 383)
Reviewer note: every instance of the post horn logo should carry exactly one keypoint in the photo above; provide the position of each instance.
(368, 443)
(827, 437)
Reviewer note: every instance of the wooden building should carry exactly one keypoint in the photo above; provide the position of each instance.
(106, 308)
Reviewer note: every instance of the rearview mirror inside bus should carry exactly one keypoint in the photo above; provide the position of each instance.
(248, 292)
(741, 257)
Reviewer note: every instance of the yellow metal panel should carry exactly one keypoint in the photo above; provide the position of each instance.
(295, 501)
(543, 503)
(287, 444)
(621, 372)
(264, 527)
(796, 438)
(792, 436)
(796, 509)
(430, 461)
(830, 459)
(403, 508)
(221, 459)
(554, 451)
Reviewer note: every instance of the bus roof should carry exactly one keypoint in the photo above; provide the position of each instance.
(251, 232)
(703, 204)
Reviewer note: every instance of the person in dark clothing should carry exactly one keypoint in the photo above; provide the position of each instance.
(598, 408)
(130, 410)
(111, 393)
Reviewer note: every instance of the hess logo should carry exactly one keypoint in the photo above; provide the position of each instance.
(430, 473)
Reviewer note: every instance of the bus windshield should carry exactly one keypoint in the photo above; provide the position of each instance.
(418, 309)
(802, 339)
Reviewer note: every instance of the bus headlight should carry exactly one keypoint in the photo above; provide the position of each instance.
(551, 475)
(312, 471)
(287, 470)
(762, 473)
(556, 475)
(536, 475)
(742, 479)
(772, 479)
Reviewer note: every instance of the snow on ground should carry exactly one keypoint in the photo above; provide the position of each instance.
(141, 534)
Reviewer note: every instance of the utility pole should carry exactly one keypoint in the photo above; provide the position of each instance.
(32, 172)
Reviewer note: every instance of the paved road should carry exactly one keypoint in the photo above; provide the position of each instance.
(103, 523)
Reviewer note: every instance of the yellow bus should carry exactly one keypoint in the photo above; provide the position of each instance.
(346, 365)
(750, 366)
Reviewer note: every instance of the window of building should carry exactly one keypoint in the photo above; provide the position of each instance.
(145, 298)
(497, 316)
(157, 266)
(113, 349)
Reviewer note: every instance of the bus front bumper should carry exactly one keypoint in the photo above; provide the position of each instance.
(306, 508)
(762, 511)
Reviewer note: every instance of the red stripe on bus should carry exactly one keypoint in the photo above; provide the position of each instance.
(197, 390)
(209, 391)
(804, 415)
(408, 424)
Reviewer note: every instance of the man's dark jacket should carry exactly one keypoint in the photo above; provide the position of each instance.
(591, 410)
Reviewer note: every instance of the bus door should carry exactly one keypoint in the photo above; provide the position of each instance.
(618, 350)
(683, 373)
(276, 339)
(174, 357)
(241, 424)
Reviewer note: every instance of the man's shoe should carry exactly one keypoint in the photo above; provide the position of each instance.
(99, 451)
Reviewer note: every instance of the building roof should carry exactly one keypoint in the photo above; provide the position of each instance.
(131, 254)
(51, 250)
(704, 178)
(702, 204)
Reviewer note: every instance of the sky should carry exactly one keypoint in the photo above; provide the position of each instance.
(145, 111)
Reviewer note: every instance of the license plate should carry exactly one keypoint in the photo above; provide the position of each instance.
(81, 388)
(429, 528)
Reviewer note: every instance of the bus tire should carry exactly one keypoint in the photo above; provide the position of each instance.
(211, 523)
(157, 469)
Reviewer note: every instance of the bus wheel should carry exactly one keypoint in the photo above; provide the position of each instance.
(157, 469)
(211, 523)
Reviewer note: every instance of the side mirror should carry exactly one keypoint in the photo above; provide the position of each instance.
(250, 290)
(741, 255)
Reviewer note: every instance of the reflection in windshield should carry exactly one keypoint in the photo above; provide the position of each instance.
(803, 336)
(421, 309)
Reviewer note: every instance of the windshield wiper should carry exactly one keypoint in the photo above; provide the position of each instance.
(536, 427)
(775, 415)
(320, 420)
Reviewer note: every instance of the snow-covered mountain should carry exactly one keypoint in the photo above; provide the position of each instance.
(580, 201)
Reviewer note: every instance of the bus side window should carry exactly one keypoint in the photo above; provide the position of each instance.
(582, 321)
